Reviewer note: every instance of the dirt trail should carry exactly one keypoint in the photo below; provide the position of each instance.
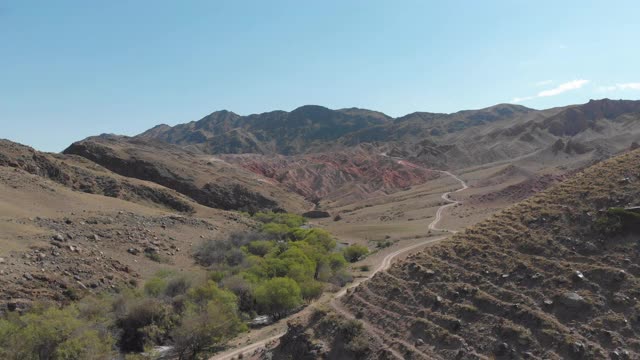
(384, 265)
(452, 202)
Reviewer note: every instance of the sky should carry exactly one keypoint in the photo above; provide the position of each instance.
(72, 69)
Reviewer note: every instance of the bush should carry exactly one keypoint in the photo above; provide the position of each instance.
(212, 325)
(260, 247)
(155, 286)
(290, 220)
(141, 322)
(53, 333)
(278, 296)
(355, 252)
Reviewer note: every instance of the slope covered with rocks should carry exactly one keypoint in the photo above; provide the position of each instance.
(556, 276)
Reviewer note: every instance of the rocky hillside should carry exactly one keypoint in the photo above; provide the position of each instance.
(342, 176)
(82, 175)
(205, 179)
(554, 277)
(69, 228)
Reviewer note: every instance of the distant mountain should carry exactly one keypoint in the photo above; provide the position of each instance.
(273, 132)
(325, 154)
(315, 128)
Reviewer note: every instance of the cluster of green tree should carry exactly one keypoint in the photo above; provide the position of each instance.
(170, 310)
(278, 267)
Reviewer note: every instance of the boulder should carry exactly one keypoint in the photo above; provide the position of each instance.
(572, 300)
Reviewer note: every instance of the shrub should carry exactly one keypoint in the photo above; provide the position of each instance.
(210, 326)
(260, 247)
(53, 333)
(355, 252)
(177, 286)
(278, 296)
(141, 322)
(155, 286)
(290, 220)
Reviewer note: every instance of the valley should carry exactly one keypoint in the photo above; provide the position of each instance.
(458, 213)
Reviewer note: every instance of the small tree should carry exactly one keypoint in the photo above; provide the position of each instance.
(207, 327)
(354, 252)
(54, 334)
(278, 296)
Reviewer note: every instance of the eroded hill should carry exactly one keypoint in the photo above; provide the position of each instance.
(205, 179)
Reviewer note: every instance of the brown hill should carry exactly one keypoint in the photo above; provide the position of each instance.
(554, 277)
(69, 227)
(205, 179)
(79, 174)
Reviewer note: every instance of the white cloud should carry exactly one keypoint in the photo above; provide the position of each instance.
(624, 86)
(568, 86)
(571, 85)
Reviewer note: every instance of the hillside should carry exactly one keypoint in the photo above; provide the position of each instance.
(70, 228)
(553, 277)
(342, 176)
(207, 180)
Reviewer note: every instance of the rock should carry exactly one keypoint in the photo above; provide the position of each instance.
(133, 251)
(58, 237)
(419, 342)
(572, 300)
(578, 276)
(578, 347)
(95, 237)
(27, 277)
(2, 261)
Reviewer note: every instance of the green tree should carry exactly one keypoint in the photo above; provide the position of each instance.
(278, 296)
(260, 247)
(208, 326)
(279, 231)
(355, 252)
(52, 334)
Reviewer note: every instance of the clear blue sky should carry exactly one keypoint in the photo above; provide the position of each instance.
(71, 69)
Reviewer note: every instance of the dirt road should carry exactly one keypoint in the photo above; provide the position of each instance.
(384, 265)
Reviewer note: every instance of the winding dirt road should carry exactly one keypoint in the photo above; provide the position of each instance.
(452, 202)
(384, 265)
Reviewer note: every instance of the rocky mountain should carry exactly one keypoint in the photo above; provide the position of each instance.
(298, 131)
(554, 277)
(456, 140)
